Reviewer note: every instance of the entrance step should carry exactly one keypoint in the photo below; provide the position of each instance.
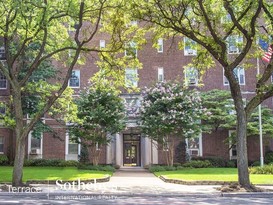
(132, 169)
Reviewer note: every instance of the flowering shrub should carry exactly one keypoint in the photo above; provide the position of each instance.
(169, 110)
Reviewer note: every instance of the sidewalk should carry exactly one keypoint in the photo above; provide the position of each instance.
(140, 182)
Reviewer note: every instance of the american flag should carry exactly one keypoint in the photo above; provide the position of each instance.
(267, 50)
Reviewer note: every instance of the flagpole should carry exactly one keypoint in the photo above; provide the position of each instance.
(260, 122)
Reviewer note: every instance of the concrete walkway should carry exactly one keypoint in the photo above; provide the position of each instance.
(139, 182)
(134, 181)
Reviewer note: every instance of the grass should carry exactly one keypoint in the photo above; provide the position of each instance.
(214, 174)
(52, 173)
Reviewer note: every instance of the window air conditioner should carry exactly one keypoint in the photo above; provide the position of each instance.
(35, 151)
(194, 152)
(192, 81)
(190, 51)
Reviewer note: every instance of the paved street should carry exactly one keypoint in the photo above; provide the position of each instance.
(89, 199)
(135, 186)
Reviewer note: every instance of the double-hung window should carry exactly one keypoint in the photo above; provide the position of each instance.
(234, 44)
(131, 77)
(239, 73)
(190, 48)
(74, 81)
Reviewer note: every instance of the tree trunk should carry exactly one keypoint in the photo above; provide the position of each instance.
(18, 162)
(242, 159)
(20, 139)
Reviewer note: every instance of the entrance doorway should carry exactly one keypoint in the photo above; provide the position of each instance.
(131, 150)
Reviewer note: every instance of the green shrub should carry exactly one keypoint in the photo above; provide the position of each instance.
(97, 167)
(169, 168)
(268, 158)
(215, 161)
(180, 168)
(197, 164)
(256, 164)
(231, 163)
(267, 169)
(4, 159)
(157, 168)
(176, 164)
(68, 163)
(50, 162)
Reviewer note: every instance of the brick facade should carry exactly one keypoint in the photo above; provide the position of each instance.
(172, 59)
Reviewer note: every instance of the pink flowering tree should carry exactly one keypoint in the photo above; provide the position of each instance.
(169, 112)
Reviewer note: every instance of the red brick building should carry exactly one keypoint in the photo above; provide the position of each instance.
(130, 147)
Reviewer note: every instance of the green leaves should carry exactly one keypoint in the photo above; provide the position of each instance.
(101, 112)
(170, 109)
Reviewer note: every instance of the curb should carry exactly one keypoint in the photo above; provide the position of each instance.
(179, 181)
(194, 195)
(46, 182)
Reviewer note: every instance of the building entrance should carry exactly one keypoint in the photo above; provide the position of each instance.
(131, 150)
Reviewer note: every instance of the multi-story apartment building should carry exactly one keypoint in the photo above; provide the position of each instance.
(130, 147)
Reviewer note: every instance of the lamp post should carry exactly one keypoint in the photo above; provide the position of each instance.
(260, 123)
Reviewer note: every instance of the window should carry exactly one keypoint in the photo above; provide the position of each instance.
(1, 144)
(233, 43)
(35, 144)
(102, 43)
(160, 45)
(239, 73)
(189, 47)
(191, 76)
(2, 53)
(232, 145)
(3, 81)
(73, 147)
(131, 49)
(194, 146)
(131, 77)
(160, 74)
(74, 80)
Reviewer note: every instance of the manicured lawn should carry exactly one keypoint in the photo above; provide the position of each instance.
(214, 174)
(52, 173)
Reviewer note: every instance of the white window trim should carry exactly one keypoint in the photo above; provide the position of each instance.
(160, 45)
(226, 82)
(160, 71)
(200, 149)
(125, 52)
(186, 51)
(2, 144)
(79, 80)
(102, 44)
(187, 81)
(237, 50)
(229, 145)
(67, 145)
(29, 144)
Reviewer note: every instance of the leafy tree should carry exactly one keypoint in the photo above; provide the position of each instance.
(35, 32)
(170, 111)
(210, 24)
(220, 107)
(101, 112)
